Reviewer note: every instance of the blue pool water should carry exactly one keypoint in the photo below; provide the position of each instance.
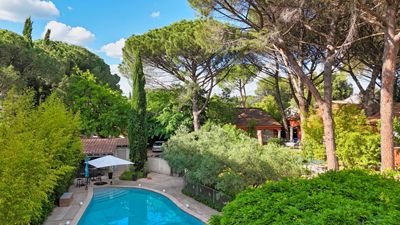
(132, 206)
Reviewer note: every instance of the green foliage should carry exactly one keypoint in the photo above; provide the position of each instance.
(238, 77)
(344, 197)
(137, 127)
(341, 89)
(104, 112)
(251, 128)
(27, 32)
(226, 159)
(40, 150)
(71, 56)
(357, 144)
(313, 130)
(34, 68)
(269, 105)
(266, 87)
(8, 78)
(166, 112)
(46, 38)
(126, 175)
(277, 141)
(178, 49)
(222, 110)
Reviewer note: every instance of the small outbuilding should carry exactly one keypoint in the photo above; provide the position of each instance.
(257, 119)
(95, 147)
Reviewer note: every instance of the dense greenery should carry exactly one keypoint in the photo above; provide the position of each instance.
(345, 197)
(27, 32)
(222, 110)
(269, 105)
(137, 127)
(41, 65)
(29, 67)
(341, 88)
(357, 142)
(71, 56)
(167, 110)
(40, 151)
(226, 159)
(104, 112)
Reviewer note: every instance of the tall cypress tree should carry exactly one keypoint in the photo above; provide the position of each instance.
(27, 32)
(47, 37)
(137, 127)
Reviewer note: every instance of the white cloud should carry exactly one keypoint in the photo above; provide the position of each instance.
(72, 35)
(114, 49)
(155, 14)
(69, 8)
(19, 10)
(124, 83)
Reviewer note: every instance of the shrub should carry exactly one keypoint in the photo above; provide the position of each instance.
(357, 144)
(126, 175)
(40, 150)
(345, 197)
(226, 159)
(277, 141)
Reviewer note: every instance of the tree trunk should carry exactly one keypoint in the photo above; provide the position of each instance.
(196, 112)
(368, 96)
(302, 108)
(278, 99)
(388, 77)
(325, 103)
(242, 93)
(327, 115)
(329, 136)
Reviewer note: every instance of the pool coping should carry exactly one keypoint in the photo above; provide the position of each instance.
(174, 200)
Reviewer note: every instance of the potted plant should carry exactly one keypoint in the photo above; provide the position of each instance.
(110, 173)
(134, 176)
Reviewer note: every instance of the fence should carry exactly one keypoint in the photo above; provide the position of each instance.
(209, 196)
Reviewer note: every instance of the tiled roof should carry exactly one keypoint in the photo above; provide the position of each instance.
(262, 119)
(102, 146)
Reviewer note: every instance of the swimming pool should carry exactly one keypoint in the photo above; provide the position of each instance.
(133, 206)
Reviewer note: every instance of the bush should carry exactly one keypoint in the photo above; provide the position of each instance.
(276, 141)
(226, 159)
(40, 150)
(357, 144)
(345, 197)
(126, 175)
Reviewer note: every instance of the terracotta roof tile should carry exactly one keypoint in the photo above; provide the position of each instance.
(262, 119)
(102, 146)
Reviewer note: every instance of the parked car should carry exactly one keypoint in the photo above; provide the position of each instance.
(157, 146)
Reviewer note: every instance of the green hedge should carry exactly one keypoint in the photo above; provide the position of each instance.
(40, 150)
(345, 197)
(226, 159)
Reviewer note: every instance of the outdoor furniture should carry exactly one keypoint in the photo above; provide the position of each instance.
(79, 182)
(66, 199)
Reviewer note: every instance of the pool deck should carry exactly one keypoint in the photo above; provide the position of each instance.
(157, 183)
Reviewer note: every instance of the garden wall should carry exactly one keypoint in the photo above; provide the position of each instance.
(159, 165)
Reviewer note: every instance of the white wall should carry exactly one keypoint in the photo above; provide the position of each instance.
(159, 165)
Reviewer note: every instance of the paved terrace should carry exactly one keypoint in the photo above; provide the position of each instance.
(158, 183)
